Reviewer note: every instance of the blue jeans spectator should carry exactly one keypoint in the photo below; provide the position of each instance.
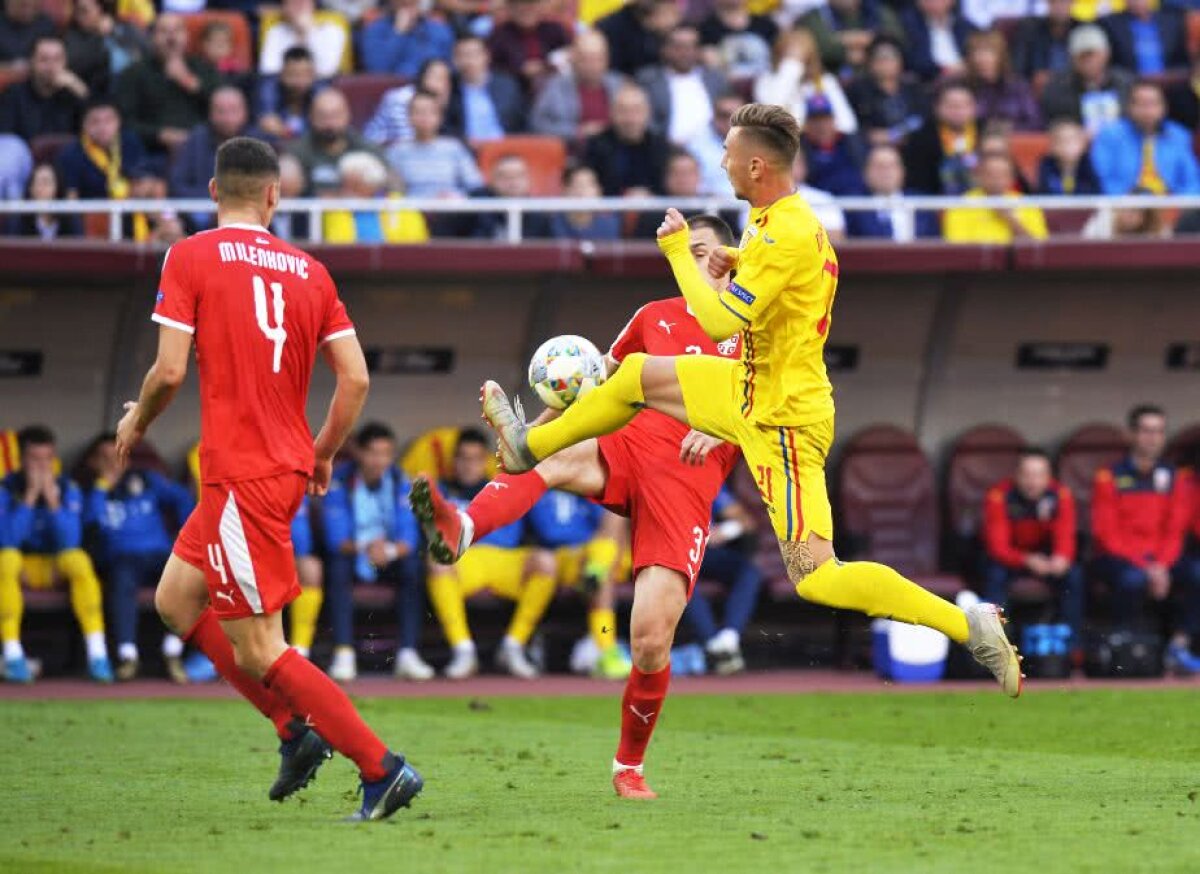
(406, 574)
(735, 569)
(998, 578)
(1130, 588)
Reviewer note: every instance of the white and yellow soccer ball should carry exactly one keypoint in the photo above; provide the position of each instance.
(564, 369)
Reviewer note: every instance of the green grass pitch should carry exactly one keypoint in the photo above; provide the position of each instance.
(1103, 781)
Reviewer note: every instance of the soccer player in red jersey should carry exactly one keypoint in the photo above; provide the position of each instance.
(259, 311)
(655, 471)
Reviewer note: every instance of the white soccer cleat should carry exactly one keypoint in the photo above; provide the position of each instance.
(511, 658)
(410, 666)
(511, 431)
(344, 667)
(463, 664)
(991, 647)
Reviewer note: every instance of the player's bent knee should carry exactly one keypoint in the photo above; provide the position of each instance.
(650, 645)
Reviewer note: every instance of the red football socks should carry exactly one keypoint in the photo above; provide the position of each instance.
(505, 500)
(208, 635)
(640, 706)
(329, 711)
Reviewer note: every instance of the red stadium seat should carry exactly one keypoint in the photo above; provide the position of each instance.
(243, 49)
(889, 504)
(546, 156)
(1193, 33)
(10, 453)
(364, 91)
(1084, 452)
(58, 10)
(1028, 148)
(980, 458)
(7, 77)
(45, 148)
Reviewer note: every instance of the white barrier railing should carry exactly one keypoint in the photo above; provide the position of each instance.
(514, 209)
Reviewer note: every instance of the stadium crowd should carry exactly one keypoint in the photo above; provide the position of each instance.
(451, 99)
(105, 534)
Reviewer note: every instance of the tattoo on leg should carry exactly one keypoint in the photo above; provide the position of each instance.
(797, 558)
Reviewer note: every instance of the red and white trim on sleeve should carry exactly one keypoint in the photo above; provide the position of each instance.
(348, 332)
(171, 323)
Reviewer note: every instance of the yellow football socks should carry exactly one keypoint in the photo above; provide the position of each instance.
(12, 604)
(877, 590)
(602, 626)
(86, 600)
(450, 607)
(302, 615)
(601, 411)
(531, 606)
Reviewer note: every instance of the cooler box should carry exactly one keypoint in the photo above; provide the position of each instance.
(908, 653)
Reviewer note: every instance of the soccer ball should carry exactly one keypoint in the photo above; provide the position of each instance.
(564, 368)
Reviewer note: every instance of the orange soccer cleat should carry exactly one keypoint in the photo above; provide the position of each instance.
(631, 783)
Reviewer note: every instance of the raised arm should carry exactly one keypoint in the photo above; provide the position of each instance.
(345, 358)
(715, 316)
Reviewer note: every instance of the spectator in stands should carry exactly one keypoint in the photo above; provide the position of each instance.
(158, 227)
(284, 101)
(984, 13)
(1041, 44)
(45, 185)
(628, 156)
(1140, 515)
(524, 43)
(390, 122)
(100, 45)
(329, 136)
(822, 202)
(432, 165)
(290, 226)
(163, 96)
(884, 175)
(364, 175)
(1029, 529)
(995, 176)
(999, 94)
(1067, 169)
(373, 538)
(526, 576)
(1144, 150)
(581, 181)
(996, 139)
(1090, 92)
(736, 40)
(940, 157)
(484, 104)
(41, 540)
(16, 166)
(96, 166)
(1147, 40)
(833, 158)
(50, 101)
(636, 31)
(797, 75)
(888, 106)
(298, 26)
(403, 39)
(727, 560)
(708, 148)
(132, 516)
(22, 23)
(681, 89)
(845, 30)
(509, 177)
(681, 179)
(1127, 222)
(216, 47)
(1183, 99)
(193, 164)
(575, 104)
(936, 36)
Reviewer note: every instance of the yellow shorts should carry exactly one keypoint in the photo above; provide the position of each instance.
(39, 571)
(788, 463)
(500, 569)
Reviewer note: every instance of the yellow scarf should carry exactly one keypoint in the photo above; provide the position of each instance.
(957, 144)
(109, 163)
(1148, 178)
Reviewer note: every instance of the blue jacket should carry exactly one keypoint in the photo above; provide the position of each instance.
(38, 529)
(337, 511)
(878, 226)
(302, 535)
(1050, 177)
(130, 517)
(383, 50)
(835, 170)
(1117, 157)
(1172, 39)
(919, 58)
(563, 519)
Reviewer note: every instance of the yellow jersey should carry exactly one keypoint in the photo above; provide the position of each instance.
(787, 276)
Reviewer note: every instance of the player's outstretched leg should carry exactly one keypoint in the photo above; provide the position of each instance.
(660, 596)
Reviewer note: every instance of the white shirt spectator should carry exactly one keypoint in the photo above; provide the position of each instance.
(786, 86)
(326, 40)
(825, 208)
(942, 46)
(691, 108)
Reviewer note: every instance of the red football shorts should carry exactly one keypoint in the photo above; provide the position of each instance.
(669, 503)
(240, 535)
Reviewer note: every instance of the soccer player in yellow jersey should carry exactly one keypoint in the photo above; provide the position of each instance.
(776, 403)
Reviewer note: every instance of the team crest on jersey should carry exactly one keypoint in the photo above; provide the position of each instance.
(742, 294)
(1045, 508)
(1162, 480)
(159, 297)
(728, 347)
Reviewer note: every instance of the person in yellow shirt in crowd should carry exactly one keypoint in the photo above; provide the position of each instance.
(995, 176)
(364, 175)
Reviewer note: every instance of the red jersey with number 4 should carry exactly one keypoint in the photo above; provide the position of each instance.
(259, 309)
(667, 327)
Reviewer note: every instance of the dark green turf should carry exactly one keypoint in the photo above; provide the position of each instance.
(1057, 782)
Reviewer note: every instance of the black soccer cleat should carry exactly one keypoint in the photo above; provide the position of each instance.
(382, 798)
(300, 758)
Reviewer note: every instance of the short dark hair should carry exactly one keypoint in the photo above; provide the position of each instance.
(884, 41)
(472, 436)
(372, 431)
(297, 53)
(571, 169)
(244, 166)
(101, 102)
(1026, 452)
(34, 435)
(773, 126)
(1134, 419)
(952, 85)
(714, 223)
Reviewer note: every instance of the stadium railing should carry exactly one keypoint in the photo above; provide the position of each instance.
(514, 209)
